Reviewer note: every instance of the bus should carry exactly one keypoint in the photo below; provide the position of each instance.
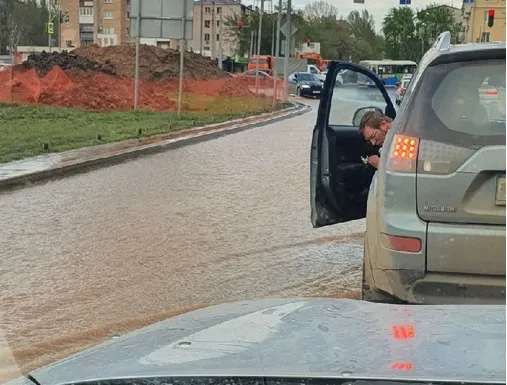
(389, 71)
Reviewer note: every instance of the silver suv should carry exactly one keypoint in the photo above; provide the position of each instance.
(435, 208)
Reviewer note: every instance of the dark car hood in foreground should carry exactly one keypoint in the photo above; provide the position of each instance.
(304, 337)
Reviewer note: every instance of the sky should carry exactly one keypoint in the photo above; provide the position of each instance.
(378, 8)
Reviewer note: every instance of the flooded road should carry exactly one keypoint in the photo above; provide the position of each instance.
(114, 249)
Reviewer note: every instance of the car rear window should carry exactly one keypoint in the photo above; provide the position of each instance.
(450, 103)
(471, 98)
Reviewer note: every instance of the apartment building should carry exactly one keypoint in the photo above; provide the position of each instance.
(211, 36)
(475, 21)
(104, 22)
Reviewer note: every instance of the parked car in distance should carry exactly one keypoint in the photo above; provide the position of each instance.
(305, 84)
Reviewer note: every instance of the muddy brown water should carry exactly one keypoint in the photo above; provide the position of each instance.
(101, 253)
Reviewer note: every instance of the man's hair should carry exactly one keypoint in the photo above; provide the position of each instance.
(373, 119)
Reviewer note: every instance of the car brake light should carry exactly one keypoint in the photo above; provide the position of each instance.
(440, 158)
(403, 154)
(491, 92)
(405, 244)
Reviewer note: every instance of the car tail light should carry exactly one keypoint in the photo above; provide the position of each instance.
(440, 158)
(403, 154)
(491, 92)
(405, 244)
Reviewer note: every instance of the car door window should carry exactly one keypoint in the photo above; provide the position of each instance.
(353, 96)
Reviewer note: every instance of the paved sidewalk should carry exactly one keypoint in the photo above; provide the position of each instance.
(55, 165)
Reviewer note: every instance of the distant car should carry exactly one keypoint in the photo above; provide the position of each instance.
(400, 92)
(262, 74)
(305, 84)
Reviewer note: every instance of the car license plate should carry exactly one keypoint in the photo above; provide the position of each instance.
(316, 92)
(500, 191)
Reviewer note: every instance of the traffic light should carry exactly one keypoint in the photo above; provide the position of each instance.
(491, 17)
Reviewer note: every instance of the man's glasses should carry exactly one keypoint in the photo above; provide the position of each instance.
(372, 136)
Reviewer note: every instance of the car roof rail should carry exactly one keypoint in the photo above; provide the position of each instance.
(443, 42)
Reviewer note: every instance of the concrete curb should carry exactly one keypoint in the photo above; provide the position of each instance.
(69, 162)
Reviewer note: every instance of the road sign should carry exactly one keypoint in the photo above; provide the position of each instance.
(405, 2)
(163, 19)
(358, 1)
(285, 29)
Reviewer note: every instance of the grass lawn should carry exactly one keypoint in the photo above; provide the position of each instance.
(25, 129)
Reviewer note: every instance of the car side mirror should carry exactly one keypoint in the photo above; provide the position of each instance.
(358, 115)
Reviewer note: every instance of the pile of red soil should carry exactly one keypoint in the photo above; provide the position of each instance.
(105, 92)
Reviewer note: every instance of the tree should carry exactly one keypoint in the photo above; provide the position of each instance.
(401, 39)
(318, 22)
(15, 33)
(432, 21)
(239, 29)
(29, 19)
(320, 11)
(362, 30)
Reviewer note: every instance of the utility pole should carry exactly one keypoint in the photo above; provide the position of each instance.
(277, 51)
(220, 41)
(288, 46)
(138, 43)
(273, 29)
(96, 20)
(213, 36)
(251, 51)
(259, 42)
(202, 27)
(50, 11)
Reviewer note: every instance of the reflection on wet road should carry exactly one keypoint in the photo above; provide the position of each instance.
(214, 222)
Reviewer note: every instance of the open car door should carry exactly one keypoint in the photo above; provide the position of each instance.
(339, 179)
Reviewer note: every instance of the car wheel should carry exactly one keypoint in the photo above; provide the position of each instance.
(368, 290)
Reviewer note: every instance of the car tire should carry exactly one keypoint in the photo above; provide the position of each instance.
(368, 290)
